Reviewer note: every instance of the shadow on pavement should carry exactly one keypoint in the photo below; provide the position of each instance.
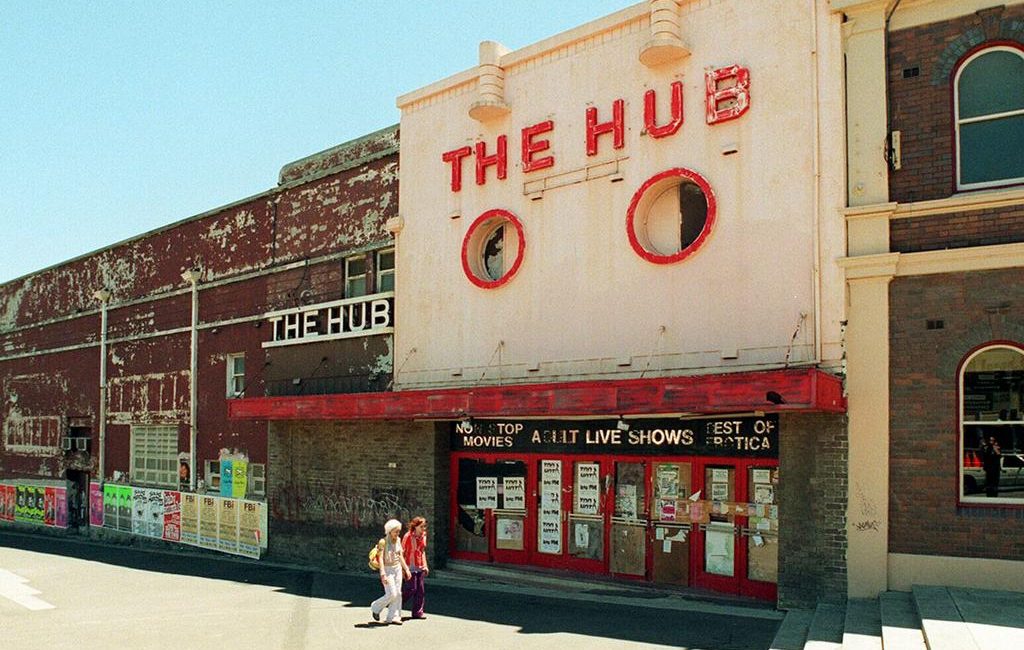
(531, 614)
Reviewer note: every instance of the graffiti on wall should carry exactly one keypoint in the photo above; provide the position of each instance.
(340, 505)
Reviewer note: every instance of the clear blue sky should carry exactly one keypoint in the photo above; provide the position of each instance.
(119, 117)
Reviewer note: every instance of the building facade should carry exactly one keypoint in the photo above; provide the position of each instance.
(934, 270)
(620, 319)
(117, 367)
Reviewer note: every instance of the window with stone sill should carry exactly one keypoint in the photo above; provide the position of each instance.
(989, 118)
(992, 425)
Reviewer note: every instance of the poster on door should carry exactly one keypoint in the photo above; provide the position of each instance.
(515, 492)
(550, 521)
(486, 492)
(588, 488)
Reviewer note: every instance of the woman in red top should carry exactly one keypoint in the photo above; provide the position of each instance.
(414, 544)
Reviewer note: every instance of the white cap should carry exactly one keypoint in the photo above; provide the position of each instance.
(392, 524)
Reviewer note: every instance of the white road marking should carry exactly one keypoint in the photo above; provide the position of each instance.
(14, 588)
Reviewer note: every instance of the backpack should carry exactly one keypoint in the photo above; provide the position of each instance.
(374, 555)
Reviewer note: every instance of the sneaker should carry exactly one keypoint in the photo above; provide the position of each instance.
(398, 622)
(375, 615)
(420, 617)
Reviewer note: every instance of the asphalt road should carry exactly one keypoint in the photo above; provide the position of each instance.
(56, 593)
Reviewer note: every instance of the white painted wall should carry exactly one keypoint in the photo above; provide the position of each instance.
(583, 300)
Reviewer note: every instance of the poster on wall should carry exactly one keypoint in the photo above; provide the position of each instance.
(515, 492)
(588, 488)
(208, 511)
(227, 526)
(8, 500)
(171, 525)
(124, 508)
(60, 519)
(21, 500)
(39, 509)
(49, 506)
(155, 513)
(140, 506)
(97, 508)
(190, 518)
(550, 521)
(486, 492)
(110, 493)
(249, 532)
(227, 477)
(239, 479)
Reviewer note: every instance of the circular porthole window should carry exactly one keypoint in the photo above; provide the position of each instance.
(670, 216)
(493, 249)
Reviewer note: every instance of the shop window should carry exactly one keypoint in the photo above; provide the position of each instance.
(493, 248)
(992, 426)
(355, 276)
(236, 375)
(385, 270)
(670, 216)
(154, 455)
(989, 107)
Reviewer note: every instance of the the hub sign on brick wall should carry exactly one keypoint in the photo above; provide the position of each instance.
(340, 319)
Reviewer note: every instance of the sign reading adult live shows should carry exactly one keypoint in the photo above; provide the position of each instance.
(748, 436)
(340, 319)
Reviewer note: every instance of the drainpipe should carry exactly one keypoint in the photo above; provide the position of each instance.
(192, 276)
(104, 297)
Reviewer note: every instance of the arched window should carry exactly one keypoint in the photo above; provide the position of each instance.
(992, 425)
(989, 117)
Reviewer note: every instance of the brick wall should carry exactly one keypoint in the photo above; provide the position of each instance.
(958, 230)
(921, 100)
(812, 509)
(975, 308)
(330, 487)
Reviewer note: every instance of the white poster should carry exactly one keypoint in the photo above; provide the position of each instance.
(515, 492)
(582, 535)
(762, 476)
(719, 476)
(588, 488)
(510, 530)
(486, 492)
(549, 533)
(719, 491)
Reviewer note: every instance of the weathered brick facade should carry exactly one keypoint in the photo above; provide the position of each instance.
(975, 308)
(332, 487)
(812, 509)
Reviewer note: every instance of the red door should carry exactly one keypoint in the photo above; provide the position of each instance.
(736, 547)
(570, 501)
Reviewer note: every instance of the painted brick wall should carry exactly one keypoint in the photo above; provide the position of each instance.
(921, 105)
(331, 489)
(812, 509)
(975, 308)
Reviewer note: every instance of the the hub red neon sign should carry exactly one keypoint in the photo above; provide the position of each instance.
(726, 97)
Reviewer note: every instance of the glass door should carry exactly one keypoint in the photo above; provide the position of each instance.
(628, 538)
(716, 561)
(586, 534)
(509, 514)
(670, 514)
(760, 535)
(472, 498)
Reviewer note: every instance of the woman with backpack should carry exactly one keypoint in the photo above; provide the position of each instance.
(414, 545)
(392, 568)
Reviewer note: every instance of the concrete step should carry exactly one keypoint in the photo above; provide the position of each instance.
(944, 627)
(995, 619)
(862, 629)
(826, 631)
(901, 628)
(792, 633)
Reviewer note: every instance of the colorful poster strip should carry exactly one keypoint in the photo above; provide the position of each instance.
(97, 508)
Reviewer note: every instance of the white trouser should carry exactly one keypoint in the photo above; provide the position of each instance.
(392, 598)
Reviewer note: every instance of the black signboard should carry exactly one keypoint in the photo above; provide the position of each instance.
(747, 436)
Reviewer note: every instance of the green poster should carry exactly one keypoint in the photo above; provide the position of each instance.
(240, 479)
(110, 505)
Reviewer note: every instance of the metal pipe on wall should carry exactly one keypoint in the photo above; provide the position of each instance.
(192, 276)
(103, 296)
